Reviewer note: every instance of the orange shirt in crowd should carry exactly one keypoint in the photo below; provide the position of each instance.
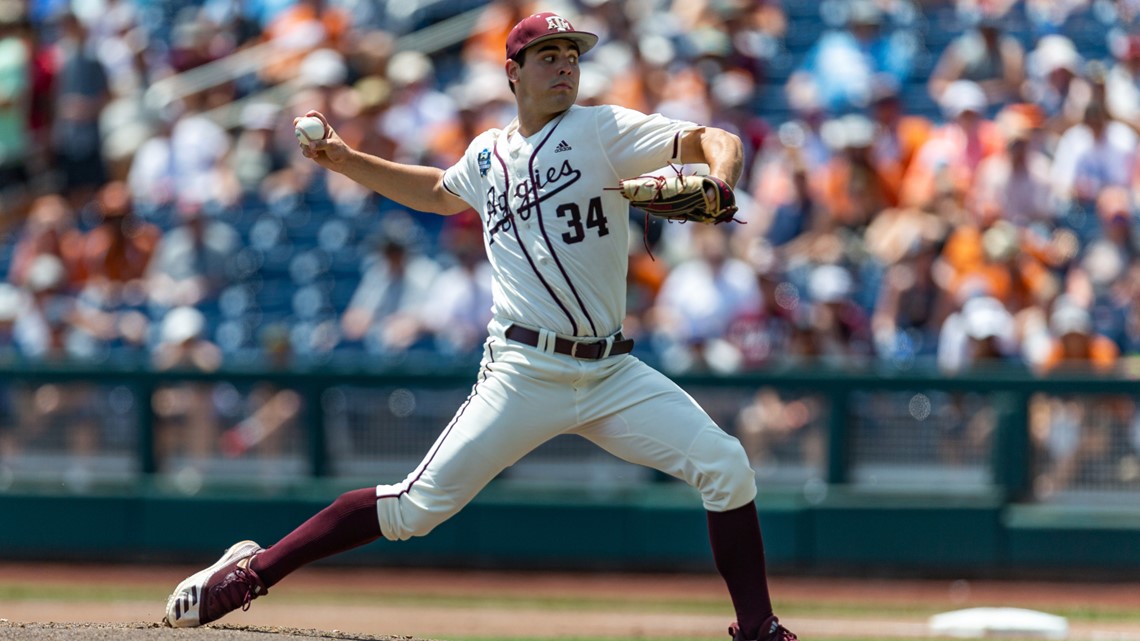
(946, 162)
(1082, 352)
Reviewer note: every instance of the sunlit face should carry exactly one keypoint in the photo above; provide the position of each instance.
(547, 81)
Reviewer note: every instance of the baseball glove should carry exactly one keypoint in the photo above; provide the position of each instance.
(702, 199)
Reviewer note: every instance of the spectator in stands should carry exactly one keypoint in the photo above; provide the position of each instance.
(945, 164)
(1075, 345)
(274, 412)
(46, 329)
(911, 305)
(779, 428)
(303, 27)
(1013, 184)
(1079, 431)
(685, 94)
(114, 260)
(1115, 211)
(122, 47)
(644, 277)
(417, 105)
(44, 67)
(1051, 16)
(898, 134)
(1122, 84)
(1091, 156)
(46, 321)
(987, 56)
(255, 153)
(199, 146)
(840, 328)
(374, 95)
(762, 336)
(1056, 83)
(1126, 308)
(980, 334)
(323, 74)
(841, 65)
(985, 159)
(457, 308)
(191, 260)
(82, 90)
(117, 251)
(397, 281)
(153, 175)
(480, 103)
(15, 114)
(1127, 12)
(50, 229)
(1080, 441)
(755, 30)
(984, 252)
(194, 40)
(785, 202)
(53, 323)
(698, 300)
(731, 93)
(187, 429)
(488, 40)
(853, 187)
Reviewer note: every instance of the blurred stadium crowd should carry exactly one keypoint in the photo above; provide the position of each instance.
(926, 181)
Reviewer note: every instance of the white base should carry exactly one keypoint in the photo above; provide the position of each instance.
(976, 623)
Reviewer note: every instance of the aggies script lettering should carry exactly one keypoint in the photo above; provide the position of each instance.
(499, 215)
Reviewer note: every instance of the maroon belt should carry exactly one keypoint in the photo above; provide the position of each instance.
(586, 350)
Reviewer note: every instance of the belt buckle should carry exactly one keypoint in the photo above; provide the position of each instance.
(574, 348)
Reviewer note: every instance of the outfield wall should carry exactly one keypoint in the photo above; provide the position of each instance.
(882, 473)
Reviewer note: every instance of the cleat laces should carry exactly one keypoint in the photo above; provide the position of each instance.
(776, 633)
(236, 590)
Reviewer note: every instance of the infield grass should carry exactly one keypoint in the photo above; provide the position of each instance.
(696, 605)
(788, 608)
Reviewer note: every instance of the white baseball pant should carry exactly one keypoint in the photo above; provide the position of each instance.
(526, 396)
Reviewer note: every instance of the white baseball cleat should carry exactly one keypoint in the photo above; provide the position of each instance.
(212, 593)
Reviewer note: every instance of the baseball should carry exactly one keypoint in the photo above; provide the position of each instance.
(309, 129)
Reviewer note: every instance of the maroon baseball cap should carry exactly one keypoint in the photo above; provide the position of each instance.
(546, 26)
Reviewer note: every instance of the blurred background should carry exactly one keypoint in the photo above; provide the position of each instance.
(926, 333)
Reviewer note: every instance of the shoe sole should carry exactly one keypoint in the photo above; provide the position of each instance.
(182, 608)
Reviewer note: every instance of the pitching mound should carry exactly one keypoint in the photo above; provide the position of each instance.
(157, 632)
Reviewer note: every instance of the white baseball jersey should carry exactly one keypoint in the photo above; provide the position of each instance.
(557, 241)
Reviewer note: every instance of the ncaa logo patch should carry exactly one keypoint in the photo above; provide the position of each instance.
(484, 160)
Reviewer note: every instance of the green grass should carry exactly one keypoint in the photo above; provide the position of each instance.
(78, 592)
(14, 592)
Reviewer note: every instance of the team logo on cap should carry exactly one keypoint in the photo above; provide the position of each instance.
(558, 23)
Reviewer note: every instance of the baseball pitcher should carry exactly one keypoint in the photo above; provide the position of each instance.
(553, 190)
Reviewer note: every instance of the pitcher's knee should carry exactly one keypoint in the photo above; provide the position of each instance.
(726, 479)
(401, 517)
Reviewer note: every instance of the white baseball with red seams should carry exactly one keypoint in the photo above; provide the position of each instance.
(557, 242)
(309, 129)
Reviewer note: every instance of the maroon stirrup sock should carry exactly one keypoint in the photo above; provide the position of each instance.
(350, 522)
(738, 551)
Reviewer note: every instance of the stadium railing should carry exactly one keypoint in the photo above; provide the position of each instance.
(991, 473)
